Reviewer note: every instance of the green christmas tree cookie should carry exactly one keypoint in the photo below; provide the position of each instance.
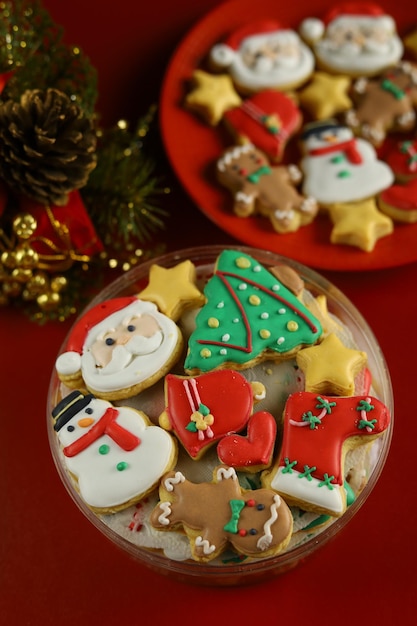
(249, 314)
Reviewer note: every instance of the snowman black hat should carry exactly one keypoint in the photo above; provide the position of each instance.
(69, 406)
(322, 126)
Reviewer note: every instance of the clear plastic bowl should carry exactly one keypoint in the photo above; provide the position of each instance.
(249, 571)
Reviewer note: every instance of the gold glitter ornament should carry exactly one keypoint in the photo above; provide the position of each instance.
(49, 301)
(24, 225)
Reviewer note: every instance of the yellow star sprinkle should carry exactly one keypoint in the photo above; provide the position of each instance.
(173, 289)
(359, 224)
(211, 96)
(330, 367)
(326, 95)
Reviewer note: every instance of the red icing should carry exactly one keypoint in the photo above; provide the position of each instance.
(255, 449)
(227, 395)
(321, 447)
(248, 121)
(401, 159)
(402, 197)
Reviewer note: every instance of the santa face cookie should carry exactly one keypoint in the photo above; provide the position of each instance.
(249, 316)
(115, 454)
(338, 167)
(354, 40)
(256, 523)
(263, 55)
(118, 348)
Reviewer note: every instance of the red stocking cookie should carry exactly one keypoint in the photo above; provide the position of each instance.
(318, 431)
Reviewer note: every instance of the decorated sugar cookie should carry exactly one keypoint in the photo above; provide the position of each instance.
(211, 95)
(399, 202)
(263, 55)
(385, 104)
(331, 367)
(257, 187)
(118, 348)
(360, 224)
(326, 95)
(256, 523)
(355, 39)
(402, 159)
(338, 167)
(249, 316)
(173, 289)
(318, 431)
(115, 454)
(267, 119)
(202, 410)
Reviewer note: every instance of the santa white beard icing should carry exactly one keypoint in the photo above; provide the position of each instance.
(277, 59)
(141, 344)
(116, 455)
(358, 45)
(340, 168)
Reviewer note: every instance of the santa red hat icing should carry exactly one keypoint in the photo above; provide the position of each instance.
(223, 54)
(312, 28)
(69, 362)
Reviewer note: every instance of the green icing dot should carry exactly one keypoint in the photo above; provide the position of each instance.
(104, 449)
(122, 466)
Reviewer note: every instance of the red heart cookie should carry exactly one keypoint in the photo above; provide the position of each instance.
(400, 201)
(201, 410)
(253, 451)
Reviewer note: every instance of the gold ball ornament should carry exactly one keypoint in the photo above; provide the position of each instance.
(48, 301)
(24, 225)
(26, 257)
(58, 284)
(8, 259)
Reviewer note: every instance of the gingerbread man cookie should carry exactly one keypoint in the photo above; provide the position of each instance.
(256, 523)
(384, 104)
(260, 188)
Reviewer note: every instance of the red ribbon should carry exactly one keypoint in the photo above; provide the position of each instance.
(348, 147)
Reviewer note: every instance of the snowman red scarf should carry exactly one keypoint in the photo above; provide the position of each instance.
(349, 148)
(106, 425)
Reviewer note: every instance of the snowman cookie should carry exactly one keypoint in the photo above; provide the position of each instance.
(114, 454)
(257, 187)
(338, 167)
(256, 523)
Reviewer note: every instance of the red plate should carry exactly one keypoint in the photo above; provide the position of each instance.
(193, 147)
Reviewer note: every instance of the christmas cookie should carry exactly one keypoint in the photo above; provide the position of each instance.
(118, 348)
(115, 455)
(338, 167)
(256, 523)
(399, 202)
(251, 452)
(331, 367)
(263, 55)
(385, 104)
(402, 159)
(211, 95)
(359, 224)
(202, 410)
(257, 187)
(318, 432)
(249, 316)
(326, 95)
(353, 39)
(268, 120)
(173, 289)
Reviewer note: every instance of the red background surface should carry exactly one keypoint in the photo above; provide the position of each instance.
(55, 568)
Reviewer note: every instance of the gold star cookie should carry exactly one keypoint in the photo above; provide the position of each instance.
(211, 96)
(330, 367)
(173, 290)
(359, 224)
(326, 95)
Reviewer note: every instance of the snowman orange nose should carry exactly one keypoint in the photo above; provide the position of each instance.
(85, 422)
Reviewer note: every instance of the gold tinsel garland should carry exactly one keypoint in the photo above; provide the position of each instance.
(75, 199)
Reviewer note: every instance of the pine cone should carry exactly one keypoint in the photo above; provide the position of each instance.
(47, 146)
